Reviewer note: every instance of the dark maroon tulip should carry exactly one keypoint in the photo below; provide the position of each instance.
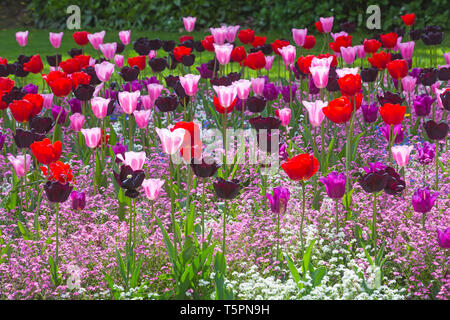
(399, 31)
(256, 104)
(436, 131)
(130, 180)
(188, 44)
(94, 79)
(54, 60)
(129, 74)
(266, 49)
(389, 97)
(155, 44)
(84, 92)
(188, 60)
(348, 26)
(445, 97)
(111, 107)
(120, 47)
(167, 104)
(168, 45)
(226, 189)
(395, 185)
(264, 140)
(207, 168)
(234, 76)
(428, 76)
(444, 74)
(4, 70)
(14, 94)
(222, 81)
(432, 35)
(74, 52)
(179, 90)
(78, 200)
(198, 46)
(332, 85)
(57, 192)
(41, 125)
(24, 139)
(267, 123)
(415, 34)
(157, 64)
(142, 46)
(213, 63)
(369, 74)
(171, 81)
(374, 181)
(172, 63)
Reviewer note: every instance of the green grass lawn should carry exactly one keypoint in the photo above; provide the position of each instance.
(38, 42)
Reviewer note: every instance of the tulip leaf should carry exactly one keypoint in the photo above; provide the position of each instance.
(293, 269)
(318, 275)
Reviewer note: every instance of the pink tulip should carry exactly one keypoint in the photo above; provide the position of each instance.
(348, 54)
(171, 140)
(407, 49)
(223, 53)
(104, 71)
(288, 54)
(18, 164)
(324, 62)
(22, 38)
(142, 118)
(226, 95)
(133, 159)
(397, 45)
(108, 50)
(147, 102)
(315, 112)
(118, 60)
(320, 76)
(189, 83)
(189, 23)
(128, 101)
(285, 116)
(231, 33)
(125, 36)
(360, 51)
(299, 36)
(151, 54)
(219, 34)
(55, 39)
(339, 34)
(447, 57)
(409, 84)
(96, 39)
(401, 154)
(269, 62)
(92, 137)
(98, 89)
(100, 107)
(437, 93)
(258, 85)
(48, 100)
(344, 71)
(154, 90)
(242, 88)
(152, 188)
(76, 121)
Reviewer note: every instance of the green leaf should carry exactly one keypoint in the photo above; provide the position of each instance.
(318, 275)
(292, 268)
(307, 258)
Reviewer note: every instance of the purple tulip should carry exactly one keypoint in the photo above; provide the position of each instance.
(205, 73)
(415, 72)
(2, 140)
(75, 105)
(374, 167)
(370, 112)
(444, 238)
(426, 153)
(279, 199)
(78, 200)
(334, 184)
(288, 92)
(423, 201)
(31, 88)
(135, 86)
(422, 105)
(59, 110)
(398, 132)
(312, 87)
(270, 91)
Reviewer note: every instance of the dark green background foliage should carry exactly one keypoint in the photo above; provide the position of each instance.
(163, 15)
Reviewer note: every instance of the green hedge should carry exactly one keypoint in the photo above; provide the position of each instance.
(163, 15)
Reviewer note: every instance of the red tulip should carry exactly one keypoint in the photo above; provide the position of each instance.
(70, 66)
(258, 41)
(181, 51)
(304, 63)
(21, 110)
(371, 45)
(79, 78)
(83, 60)
(408, 19)
(81, 38)
(61, 87)
(301, 167)
(36, 100)
(392, 114)
(34, 65)
(350, 84)
(355, 101)
(46, 152)
(398, 69)
(338, 110)
(342, 41)
(184, 38)
(208, 43)
(138, 61)
(389, 40)
(319, 27)
(246, 36)
(278, 44)
(310, 42)
(238, 54)
(255, 61)
(6, 84)
(380, 60)
(59, 171)
(221, 109)
(52, 76)
(327, 55)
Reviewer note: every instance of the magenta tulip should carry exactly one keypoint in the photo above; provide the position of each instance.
(125, 36)
(299, 36)
(76, 121)
(22, 38)
(108, 49)
(189, 83)
(55, 39)
(142, 118)
(18, 164)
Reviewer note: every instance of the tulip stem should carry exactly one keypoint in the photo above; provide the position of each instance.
(225, 211)
(57, 239)
(130, 123)
(56, 123)
(437, 165)
(303, 216)
(203, 210)
(278, 236)
(225, 141)
(337, 215)
(374, 224)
